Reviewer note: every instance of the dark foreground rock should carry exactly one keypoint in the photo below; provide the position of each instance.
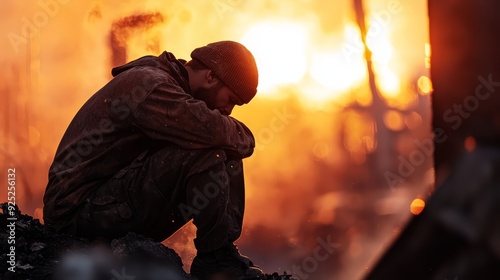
(36, 252)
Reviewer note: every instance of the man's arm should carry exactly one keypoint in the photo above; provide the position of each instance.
(170, 114)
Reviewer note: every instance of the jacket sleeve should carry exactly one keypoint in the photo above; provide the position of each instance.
(169, 114)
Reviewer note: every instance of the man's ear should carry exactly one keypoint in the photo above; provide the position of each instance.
(211, 79)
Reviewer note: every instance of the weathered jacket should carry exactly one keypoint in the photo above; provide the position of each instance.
(145, 106)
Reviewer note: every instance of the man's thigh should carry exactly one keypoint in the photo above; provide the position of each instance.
(105, 213)
(144, 196)
(127, 202)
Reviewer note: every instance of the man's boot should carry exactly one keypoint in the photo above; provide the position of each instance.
(225, 263)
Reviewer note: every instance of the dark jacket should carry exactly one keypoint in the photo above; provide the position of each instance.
(145, 106)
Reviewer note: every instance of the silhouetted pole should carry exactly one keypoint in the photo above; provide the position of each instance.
(384, 153)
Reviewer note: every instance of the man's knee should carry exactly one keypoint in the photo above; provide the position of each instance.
(205, 159)
(214, 184)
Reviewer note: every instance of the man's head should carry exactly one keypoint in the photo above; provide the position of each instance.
(223, 74)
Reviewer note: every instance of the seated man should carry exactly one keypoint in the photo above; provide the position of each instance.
(155, 148)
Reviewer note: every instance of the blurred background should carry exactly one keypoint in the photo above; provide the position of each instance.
(338, 159)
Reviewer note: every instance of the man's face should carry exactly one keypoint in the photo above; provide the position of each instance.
(219, 97)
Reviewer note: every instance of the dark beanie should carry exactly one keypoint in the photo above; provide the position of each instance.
(233, 64)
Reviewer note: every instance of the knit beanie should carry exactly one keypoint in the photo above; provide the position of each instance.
(233, 64)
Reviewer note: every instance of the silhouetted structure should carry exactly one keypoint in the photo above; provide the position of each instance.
(122, 29)
(457, 236)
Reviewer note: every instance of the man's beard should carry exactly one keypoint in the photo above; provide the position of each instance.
(208, 95)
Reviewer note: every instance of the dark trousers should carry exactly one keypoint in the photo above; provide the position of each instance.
(161, 191)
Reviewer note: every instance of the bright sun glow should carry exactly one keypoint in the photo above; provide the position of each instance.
(280, 51)
(335, 73)
(340, 70)
(285, 55)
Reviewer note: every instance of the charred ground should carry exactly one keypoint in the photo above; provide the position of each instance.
(41, 253)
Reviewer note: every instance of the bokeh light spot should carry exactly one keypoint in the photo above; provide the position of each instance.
(393, 120)
(424, 85)
(470, 144)
(417, 206)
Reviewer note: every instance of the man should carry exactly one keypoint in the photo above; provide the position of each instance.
(156, 147)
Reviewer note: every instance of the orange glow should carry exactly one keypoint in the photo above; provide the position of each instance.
(383, 52)
(321, 150)
(313, 118)
(413, 120)
(38, 214)
(336, 69)
(427, 55)
(361, 137)
(286, 56)
(394, 120)
(335, 73)
(417, 206)
(388, 82)
(324, 208)
(280, 51)
(424, 85)
(470, 143)
(33, 136)
(427, 49)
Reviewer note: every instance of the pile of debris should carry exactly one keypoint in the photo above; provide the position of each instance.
(36, 252)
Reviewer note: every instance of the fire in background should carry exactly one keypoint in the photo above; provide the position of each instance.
(321, 156)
